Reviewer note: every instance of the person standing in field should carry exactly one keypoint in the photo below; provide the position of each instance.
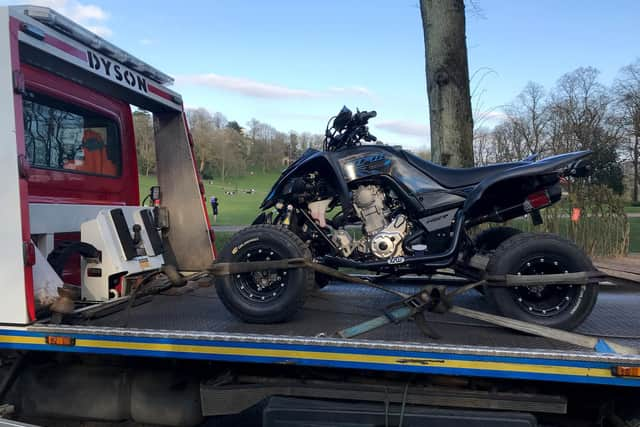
(214, 208)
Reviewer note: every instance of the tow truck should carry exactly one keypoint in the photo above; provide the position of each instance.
(80, 340)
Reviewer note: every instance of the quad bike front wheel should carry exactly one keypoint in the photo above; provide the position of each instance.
(557, 306)
(269, 296)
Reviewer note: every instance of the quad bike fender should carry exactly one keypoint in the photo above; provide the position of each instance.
(311, 160)
(572, 163)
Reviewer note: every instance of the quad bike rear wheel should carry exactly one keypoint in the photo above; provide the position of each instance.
(557, 306)
(269, 296)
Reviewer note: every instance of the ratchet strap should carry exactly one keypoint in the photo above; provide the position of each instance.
(436, 299)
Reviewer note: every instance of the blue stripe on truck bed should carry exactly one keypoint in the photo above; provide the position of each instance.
(547, 369)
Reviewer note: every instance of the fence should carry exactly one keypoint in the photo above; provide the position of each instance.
(591, 216)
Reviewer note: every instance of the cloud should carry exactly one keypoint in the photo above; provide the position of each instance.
(352, 90)
(257, 89)
(301, 116)
(492, 115)
(91, 16)
(244, 86)
(86, 12)
(404, 127)
(100, 30)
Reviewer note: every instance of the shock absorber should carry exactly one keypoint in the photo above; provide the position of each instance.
(287, 217)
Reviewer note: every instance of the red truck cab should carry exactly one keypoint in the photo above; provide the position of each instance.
(79, 143)
(69, 169)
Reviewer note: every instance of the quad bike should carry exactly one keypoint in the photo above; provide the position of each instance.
(410, 216)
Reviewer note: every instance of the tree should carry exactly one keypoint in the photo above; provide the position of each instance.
(529, 117)
(219, 120)
(578, 114)
(580, 104)
(229, 155)
(483, 147)
(222, 147)
(447, 70)
(424, 153)
(627, 92)
(145, 141)
(582, 119)
(202, 128)
(293, 145)
(260, 136)
(234, 126)
(507, 142)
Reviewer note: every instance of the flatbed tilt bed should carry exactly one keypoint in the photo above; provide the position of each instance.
(195, 325)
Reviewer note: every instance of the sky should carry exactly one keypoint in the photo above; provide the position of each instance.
(295, 63)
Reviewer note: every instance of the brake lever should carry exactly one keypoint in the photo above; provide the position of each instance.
(367, 136)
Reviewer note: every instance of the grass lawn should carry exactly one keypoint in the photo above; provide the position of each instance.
(632, 209)
(239, 209)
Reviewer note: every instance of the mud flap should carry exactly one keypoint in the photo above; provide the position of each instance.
(187, 243)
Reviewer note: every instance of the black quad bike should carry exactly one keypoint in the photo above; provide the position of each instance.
(379, 208)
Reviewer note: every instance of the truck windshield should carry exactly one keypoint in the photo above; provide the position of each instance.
(65, 137)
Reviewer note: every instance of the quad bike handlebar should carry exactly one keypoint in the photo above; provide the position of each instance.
(347, 129)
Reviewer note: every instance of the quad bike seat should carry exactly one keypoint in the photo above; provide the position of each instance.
(458, 177)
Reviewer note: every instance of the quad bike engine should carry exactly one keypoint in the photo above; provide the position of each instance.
(388, 242)
(368, 202)
(382, 238)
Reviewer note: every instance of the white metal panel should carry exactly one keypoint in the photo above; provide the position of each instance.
(13, 301)
(102, 234)
(49, 218)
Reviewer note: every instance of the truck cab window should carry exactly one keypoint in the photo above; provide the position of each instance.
(62, 136)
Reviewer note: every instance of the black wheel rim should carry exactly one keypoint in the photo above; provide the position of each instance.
(548, 300)
(260, 286)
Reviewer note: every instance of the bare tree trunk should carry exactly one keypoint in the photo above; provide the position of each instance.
(447, 70)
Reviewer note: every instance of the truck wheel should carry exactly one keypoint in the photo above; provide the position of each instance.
(268, 296)
(556, 306)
